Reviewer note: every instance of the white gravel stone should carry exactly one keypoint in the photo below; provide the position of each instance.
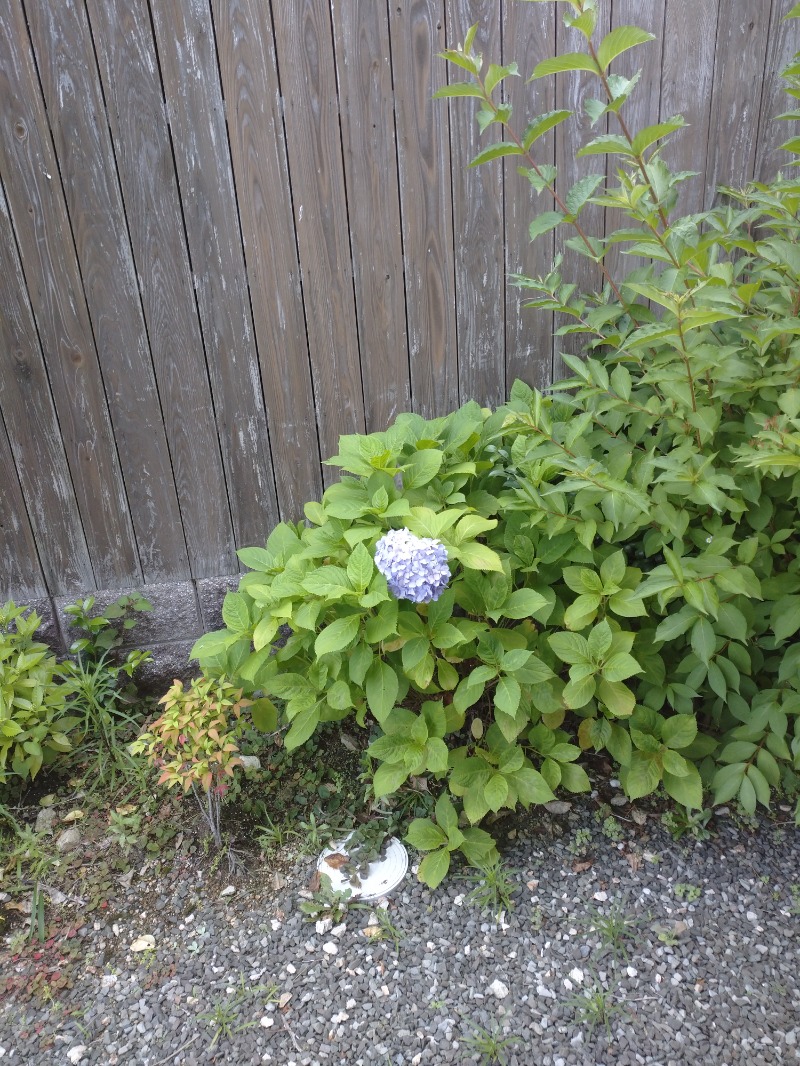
(227, 891)
(76, 1053)
(498, 989)
(330, 948)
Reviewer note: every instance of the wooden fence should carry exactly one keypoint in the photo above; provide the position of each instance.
(232, 230)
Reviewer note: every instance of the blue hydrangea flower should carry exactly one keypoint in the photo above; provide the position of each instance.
(415, 568)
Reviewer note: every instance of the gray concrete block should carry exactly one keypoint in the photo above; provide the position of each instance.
(175, 614)
(169, 661)
(211, 592)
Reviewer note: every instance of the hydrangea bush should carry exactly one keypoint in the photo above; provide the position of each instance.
(613, 567)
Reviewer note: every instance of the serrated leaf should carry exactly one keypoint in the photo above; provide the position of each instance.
(578, 195)
(421, 468)
(433, 868)
(303, 725)
(679, 731)
(235, 613)
(606, 144)
(544, 223)
(338, 635)
(642, 776)
(360, 567)
(496, 151)
(495, 791)
(507, 696)
(577, 693)
(561, 64)
(541, 125)
(423, 835)
(620, 40)
(531, 787)
(264, 714)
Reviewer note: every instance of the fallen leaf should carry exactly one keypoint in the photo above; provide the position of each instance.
(582, 866)
(284, 999)
(144, 943)
(371, 931)
(639, 817)
(558, 806)
(314, 882)
(74, 816)
(337, 860)
(47, 801)
(634, 860)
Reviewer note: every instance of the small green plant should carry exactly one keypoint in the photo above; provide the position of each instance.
(613, 928)
(491, 1046)
(387, 929)
(327, 902)
(124, 826)
(272, 836)
(34, 719)
(494, 887)
(579, 845)
(612, 830)
(681, 821)
(596, 1005)
(195, 742)
(536, 918)
(687, 893)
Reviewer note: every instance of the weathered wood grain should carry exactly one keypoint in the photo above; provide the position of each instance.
(529, 34)
(41, 223)
(640, 110)
(477, 224)
(742, 30)
(35, 436)
(364, 72)
(417, 34)
(308, 80)
(135, 110)
(248, 69)
(687, 77)
(68, 74)
(20, 572)
(570, 136)
(185, 42)
(782, 44)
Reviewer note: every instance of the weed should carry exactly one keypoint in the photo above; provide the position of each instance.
(612, 829)
(224, 1015)
(680, 822)
(492, 1046)
(688, 893)
(388, 930)
(326, 902)
(613, 928)
(579, 845)
(537, 919)
(596, 1006)
(494, 886)
(272, 836)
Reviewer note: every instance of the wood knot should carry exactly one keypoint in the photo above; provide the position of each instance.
(21, 130)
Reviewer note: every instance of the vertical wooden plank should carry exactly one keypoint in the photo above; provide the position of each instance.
(783, 42)
(417, 34)
(34, 433)
(39, 215)
(570, 137)
(135, 110)
(736, 101)
(477, 225)
(364, 71)
(249, 74)
(529, 36)
(66, 64)
(687, 77)
(641, 109)
(185, 43)
(20, 573)
(304, 43)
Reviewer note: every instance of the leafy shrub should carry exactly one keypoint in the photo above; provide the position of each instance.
(624, 553)
(34, 723)
(194, 743)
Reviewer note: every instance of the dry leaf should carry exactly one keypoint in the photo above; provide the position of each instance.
(73, 816)
(337, 860)
(371, 931)
(639, 817)
(144, 943)
(582, 866)
(314, 882)
(634, 860)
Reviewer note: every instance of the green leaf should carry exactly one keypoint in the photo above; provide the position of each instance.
(704, 640)
(606, 144)
(302, 727)
(433, 868)
(579, 194)
(544, 223)
(388, 778)
(620, 666)
(437, 755)
(612, 569)
(256, 558)
(360, 568)
(617, 697)
(476, 556)
(459, 88)
(688, 789)
(577, 693)
(570, 647)
(495, 791)
(446, 814)
(507, 696)
(330, 582)
(642, 776)
(747, 795)
(496, 151)
(424, 835)
(627, 604)
(382, 687)
(560, 64)
(495, 74)
(522, 603)
(264, 714)
(679, 731)
(531, 787)
(478, 847)
(574, 778)
(383, 624)
(543, 124)
(414, 651)
(619, 40)
(235, 613)
(338, 635)
(422, 467)
(760, 785)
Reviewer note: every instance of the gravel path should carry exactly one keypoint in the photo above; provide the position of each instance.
(702, 968)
